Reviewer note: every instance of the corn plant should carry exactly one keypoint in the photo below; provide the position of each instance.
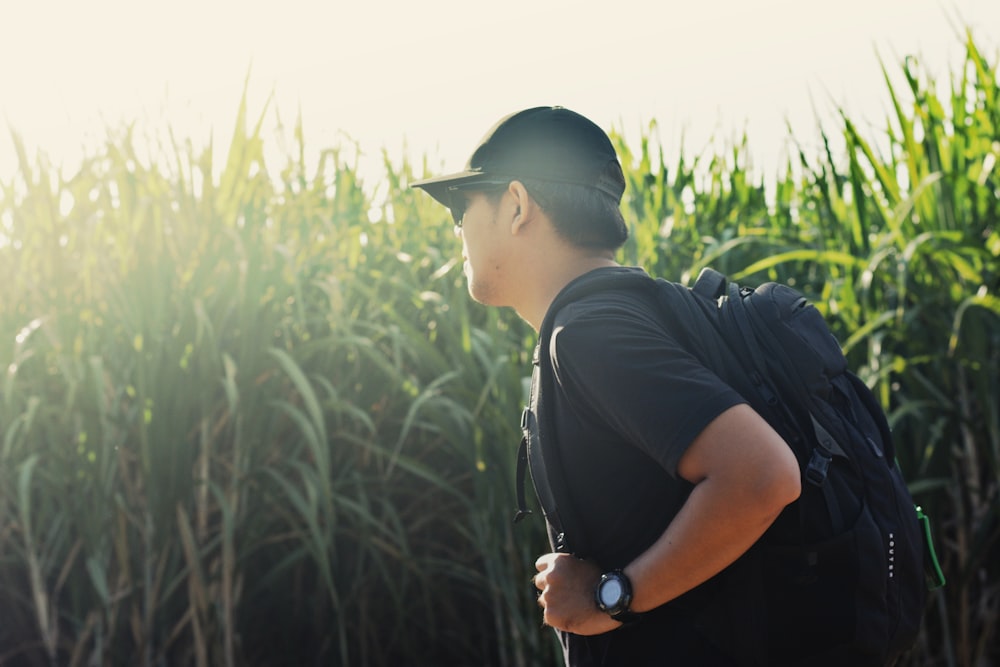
(245, 424)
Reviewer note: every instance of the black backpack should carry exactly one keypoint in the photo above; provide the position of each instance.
(839, 578)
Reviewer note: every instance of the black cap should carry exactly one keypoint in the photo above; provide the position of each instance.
(546, 143)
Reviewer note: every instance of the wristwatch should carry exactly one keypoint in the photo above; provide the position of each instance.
(614, 595)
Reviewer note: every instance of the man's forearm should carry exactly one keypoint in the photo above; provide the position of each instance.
(744, 475)
(705, 537)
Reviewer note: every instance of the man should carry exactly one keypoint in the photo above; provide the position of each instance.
(674, 475)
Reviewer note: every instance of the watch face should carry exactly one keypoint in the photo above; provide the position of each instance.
(610, 592)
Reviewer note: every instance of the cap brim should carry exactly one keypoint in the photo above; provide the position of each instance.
(438, 187)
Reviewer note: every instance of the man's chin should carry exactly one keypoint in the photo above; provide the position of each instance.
(480, 295)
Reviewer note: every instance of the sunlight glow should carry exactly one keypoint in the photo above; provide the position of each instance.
(426, 80)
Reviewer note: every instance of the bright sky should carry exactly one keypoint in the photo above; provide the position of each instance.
(433, 75)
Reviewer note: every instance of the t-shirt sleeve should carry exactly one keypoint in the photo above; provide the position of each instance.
(620, 368)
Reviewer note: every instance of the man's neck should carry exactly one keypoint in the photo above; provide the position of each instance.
(554, 279)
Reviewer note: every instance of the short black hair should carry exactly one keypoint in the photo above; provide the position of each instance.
(582, 215)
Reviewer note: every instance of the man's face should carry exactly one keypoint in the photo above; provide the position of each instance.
(484, 248)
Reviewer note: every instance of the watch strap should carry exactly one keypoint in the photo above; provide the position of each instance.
(620, 611)
(626, 617)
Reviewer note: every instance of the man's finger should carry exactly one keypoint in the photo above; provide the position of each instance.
(543, 561)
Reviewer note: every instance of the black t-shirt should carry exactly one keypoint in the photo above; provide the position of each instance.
(628, 398)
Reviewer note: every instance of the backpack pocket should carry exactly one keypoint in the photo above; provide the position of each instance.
(814, 602)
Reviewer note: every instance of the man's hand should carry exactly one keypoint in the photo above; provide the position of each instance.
(567, 586)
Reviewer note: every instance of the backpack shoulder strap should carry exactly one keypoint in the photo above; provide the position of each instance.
(546, 471)
(536, 453)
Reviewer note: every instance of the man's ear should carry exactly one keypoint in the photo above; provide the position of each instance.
(526, 209)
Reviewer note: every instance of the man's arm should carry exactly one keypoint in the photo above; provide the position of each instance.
(743, 473)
